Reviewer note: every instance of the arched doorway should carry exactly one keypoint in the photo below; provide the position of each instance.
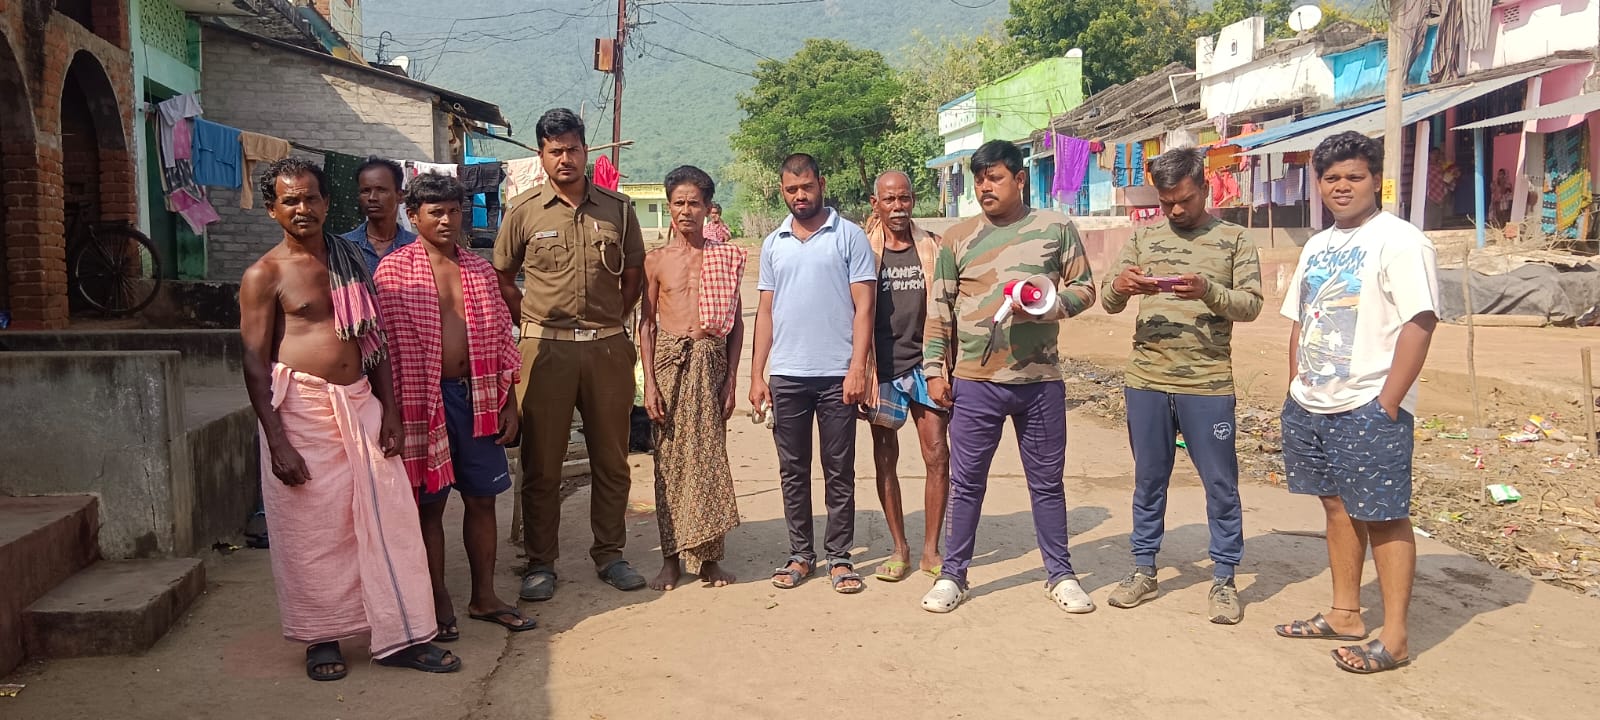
(16, 155)
(93, 146)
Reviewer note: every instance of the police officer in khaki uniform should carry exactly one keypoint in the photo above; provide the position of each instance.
(581, 255)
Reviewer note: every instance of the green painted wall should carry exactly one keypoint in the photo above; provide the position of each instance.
(1014, 106)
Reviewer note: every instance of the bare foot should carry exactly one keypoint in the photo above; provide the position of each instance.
(715, 575)
(931, 558)
(667, 579)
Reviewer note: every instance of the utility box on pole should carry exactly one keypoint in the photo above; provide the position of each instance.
(605, 54)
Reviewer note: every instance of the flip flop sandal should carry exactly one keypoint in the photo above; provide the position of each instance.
(842, 578)
(1373, 658)
(794, 576)
(1316, 628)
(892, 571)
(448, 632)
(325, 654)
(498, 617)
(426, 657)
(933, 572)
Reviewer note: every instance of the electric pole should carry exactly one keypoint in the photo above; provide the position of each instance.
(616, 82)
(1399, 52)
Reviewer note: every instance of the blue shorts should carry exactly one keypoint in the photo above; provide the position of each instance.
(1360, 455)
(480, 463)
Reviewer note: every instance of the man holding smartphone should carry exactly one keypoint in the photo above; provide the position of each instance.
(1198, 276)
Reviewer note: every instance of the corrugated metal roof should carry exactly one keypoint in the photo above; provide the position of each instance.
(1305, 124)
(1413, 109)
(1579, 105)
(949, 158)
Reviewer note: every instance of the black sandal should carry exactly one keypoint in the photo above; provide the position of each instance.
(426, 657)
(1373, 658)
(448, 631)
(1317, 628)
(322, 655)
(521, 623)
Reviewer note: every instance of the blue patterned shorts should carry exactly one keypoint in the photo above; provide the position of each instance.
(1360, 455)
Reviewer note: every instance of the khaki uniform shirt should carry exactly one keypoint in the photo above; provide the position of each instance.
(572, 258)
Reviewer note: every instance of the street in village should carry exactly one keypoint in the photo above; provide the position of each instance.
(1486, 643)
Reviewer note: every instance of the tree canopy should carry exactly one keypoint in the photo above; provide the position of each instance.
(831, 100)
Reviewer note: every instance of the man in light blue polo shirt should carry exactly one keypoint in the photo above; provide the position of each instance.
(378, 183)
(813, 331)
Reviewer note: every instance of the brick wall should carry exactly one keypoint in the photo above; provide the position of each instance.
(315, 102)
(37, 46)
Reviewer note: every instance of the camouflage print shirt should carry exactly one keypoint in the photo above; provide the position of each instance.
(1185, 346)
(976, 260)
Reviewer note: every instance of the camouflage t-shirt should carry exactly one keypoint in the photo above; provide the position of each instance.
(976, 260)
(1185, 346)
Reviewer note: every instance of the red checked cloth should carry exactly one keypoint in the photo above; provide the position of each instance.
(721, 268)
(410, 305)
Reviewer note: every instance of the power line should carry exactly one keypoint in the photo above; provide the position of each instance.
(716, 3)
(697, 59)
(714, 36)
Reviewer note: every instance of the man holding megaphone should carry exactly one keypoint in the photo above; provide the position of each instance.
(1003, 283)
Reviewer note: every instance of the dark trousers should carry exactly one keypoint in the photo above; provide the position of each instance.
(795, 401)
(1207, 423)
(1038, 411)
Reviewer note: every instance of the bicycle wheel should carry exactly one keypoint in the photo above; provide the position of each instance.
(117, 269)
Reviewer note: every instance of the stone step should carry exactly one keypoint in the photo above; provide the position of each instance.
(43, 541)
(113, 608)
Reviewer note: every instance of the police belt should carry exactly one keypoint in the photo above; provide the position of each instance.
(535, 330)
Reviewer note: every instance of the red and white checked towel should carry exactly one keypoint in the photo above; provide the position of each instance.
(410, 305)
(721, 269)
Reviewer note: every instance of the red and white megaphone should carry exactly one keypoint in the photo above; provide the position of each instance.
(1036, 295)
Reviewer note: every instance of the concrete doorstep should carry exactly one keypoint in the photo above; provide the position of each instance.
(112, 608)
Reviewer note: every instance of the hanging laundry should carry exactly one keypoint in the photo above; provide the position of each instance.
(1136, 156)
(1179, 138)
(1224, 189)
(605, 173)
(257, 148)
(1119, 166)
(217, 158)
(171, 123)
(1220, 122)
(522, 175)
(1072, 165)
(483, 177)
(414, 168)
(1294, 180)
(344, 208)
(196, 210)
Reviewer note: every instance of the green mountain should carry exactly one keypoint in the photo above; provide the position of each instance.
(685, 61)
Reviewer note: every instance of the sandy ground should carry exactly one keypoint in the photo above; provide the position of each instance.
(1486, 643)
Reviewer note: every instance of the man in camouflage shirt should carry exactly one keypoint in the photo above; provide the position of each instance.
(1017, 377)
(1180, 376)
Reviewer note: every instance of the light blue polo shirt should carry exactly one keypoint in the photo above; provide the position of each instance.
(812, 311)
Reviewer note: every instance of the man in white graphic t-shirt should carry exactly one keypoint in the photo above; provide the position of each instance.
(1364, 301)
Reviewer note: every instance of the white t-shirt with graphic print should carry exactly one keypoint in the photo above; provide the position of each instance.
(1352, 292)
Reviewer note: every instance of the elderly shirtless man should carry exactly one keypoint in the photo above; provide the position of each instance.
(690, 334)
(347, 555)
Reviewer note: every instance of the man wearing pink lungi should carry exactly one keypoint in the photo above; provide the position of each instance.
(347, 554)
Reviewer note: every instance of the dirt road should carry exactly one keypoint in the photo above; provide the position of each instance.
(1486, 643)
